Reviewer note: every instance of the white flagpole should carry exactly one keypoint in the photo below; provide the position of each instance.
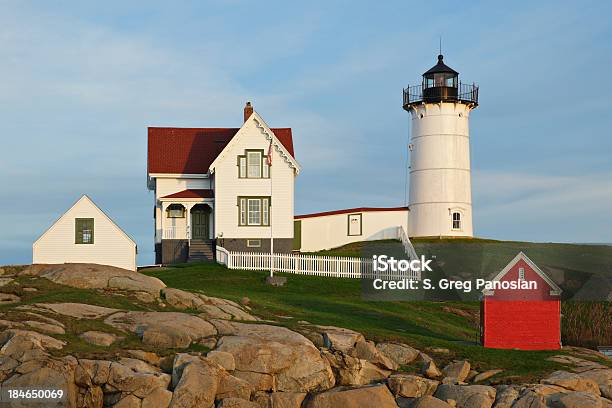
(270, 212)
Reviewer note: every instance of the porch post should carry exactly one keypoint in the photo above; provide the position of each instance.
(188, 215)
(164, 206)
(211, 221)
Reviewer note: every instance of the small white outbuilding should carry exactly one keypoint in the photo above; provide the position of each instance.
(85, 234)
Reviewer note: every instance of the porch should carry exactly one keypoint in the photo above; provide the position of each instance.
(187, 215)
(185, 227)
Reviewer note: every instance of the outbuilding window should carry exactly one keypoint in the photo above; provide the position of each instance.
(84, 231)
(521, 273)
(456, 220)
(176, 211)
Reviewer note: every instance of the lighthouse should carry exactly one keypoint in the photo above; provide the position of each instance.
(440, 198)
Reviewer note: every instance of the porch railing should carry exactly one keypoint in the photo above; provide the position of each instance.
(175, 232)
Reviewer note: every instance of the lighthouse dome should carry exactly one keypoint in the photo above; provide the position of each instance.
(440, 75)
(440, 67)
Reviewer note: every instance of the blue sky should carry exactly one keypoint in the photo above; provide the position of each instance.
(81, 81)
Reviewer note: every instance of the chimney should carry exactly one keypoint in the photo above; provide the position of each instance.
(248, 111)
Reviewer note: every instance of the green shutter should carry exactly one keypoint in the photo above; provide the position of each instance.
(78, 231)
(90, 225)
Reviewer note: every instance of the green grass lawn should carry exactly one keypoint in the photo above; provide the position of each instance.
(331, 301)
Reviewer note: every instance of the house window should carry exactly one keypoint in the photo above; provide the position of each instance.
(176, 211)
(521, 273)
(254, 243)
(84, 231)
(254, 211)
(456, 221)
(253, 165)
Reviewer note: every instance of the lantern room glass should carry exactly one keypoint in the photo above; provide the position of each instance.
(439, 80)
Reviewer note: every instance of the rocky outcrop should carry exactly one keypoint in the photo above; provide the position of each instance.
(571, 381)
(76, 310)
(505, 395)
(98, 338)
(486, 375)
(373, 396)
(349, 370)
(467, 396)
(250, 364)
(366, 350)
(8, 298)
(224, 359)
(93, 276)
(430, 370)
(196, 382)
(275, 358)
(457, 371)
(429, 402)
(338, 338)
(236, 403)
(212, 308)
(16, 340)
(45, 327)
(163, 329)
(411, 386)
(286, 399)
(402, 354)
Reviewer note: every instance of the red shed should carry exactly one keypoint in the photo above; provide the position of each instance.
(521, 318)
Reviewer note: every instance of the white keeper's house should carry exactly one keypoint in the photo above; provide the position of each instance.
(214, 186)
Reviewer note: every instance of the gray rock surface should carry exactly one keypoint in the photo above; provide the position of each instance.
(93, 276)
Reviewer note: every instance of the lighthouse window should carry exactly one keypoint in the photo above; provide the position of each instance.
(456, 221)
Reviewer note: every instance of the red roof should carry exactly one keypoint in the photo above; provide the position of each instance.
(192, 150)
(351, 210)
(192, 194)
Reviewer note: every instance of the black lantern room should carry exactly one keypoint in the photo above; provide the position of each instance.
(440, 84)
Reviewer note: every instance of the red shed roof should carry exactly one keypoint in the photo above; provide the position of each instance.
(351, 210)
(511, 272)
(192, 150)
(194, 193)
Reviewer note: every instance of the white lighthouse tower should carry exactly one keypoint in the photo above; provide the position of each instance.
(440, 199)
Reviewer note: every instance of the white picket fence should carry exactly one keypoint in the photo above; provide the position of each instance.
(328, 266)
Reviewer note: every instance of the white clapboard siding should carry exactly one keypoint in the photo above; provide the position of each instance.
(330, 230)
(169, 185)
(111, 245)
(327, 266)
(228, 187)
